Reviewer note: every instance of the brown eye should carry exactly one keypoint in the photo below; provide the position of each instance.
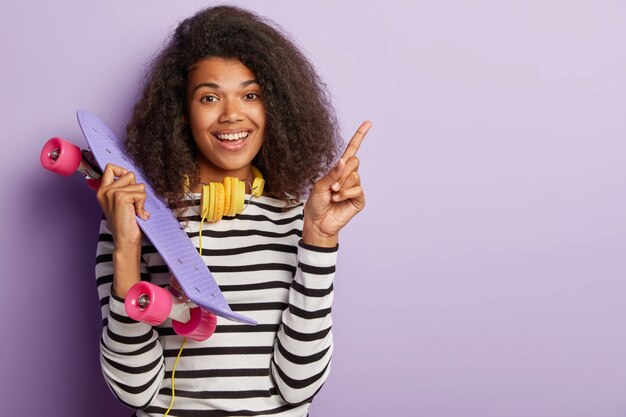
(208, 99)
(251, 96)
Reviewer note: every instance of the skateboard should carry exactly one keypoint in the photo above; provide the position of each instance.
(193, 309)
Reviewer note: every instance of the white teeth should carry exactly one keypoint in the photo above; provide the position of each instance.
(232, 136)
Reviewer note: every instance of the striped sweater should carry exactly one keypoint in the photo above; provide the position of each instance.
(265, 272)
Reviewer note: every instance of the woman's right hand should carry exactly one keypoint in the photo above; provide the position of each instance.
(121, 198)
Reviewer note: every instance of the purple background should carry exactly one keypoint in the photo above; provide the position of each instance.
(486, 275)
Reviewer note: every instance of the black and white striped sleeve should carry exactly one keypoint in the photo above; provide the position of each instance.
(131, 356)
(304, 345)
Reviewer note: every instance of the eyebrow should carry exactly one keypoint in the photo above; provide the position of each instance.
(216, 86)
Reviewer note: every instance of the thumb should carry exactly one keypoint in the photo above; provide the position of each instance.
(139, 202)
(329, 181)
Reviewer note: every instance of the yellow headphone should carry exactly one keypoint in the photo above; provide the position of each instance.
(227, 198)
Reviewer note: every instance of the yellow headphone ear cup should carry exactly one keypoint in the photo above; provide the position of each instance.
(228, 192)
(228, 196)
(209, 217)
(238, 197)
(219, 201)
(242, 196)
(233, 197)
(204, 201)
(257, 186)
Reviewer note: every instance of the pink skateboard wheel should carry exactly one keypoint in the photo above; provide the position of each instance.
(148, 303)
(200, 326)
(60, 156)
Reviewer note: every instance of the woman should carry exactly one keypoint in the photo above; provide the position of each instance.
(230, 96)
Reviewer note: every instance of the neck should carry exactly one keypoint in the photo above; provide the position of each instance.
(214, 174)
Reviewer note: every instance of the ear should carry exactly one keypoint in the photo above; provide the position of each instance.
(184, 119)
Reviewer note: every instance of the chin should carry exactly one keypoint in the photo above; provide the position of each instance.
(230, 166)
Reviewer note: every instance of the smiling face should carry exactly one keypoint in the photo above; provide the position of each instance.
(226, 117)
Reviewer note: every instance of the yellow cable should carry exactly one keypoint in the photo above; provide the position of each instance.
(174, 372)
(185, 339)
(206, 212)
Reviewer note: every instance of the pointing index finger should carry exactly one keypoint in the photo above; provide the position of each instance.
(356, 140)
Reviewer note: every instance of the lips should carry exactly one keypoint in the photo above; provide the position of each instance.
(232, 139)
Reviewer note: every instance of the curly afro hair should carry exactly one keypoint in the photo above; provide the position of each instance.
(302, 138)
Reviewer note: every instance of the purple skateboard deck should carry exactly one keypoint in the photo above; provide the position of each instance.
(161, 228)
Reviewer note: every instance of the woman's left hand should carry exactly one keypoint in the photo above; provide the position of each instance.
(335, 198)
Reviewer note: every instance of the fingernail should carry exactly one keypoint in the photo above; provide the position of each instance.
(335, 186)
(335, 197)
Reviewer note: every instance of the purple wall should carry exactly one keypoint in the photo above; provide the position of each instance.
(485, 277)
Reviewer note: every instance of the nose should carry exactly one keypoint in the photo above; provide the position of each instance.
(231, 112)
